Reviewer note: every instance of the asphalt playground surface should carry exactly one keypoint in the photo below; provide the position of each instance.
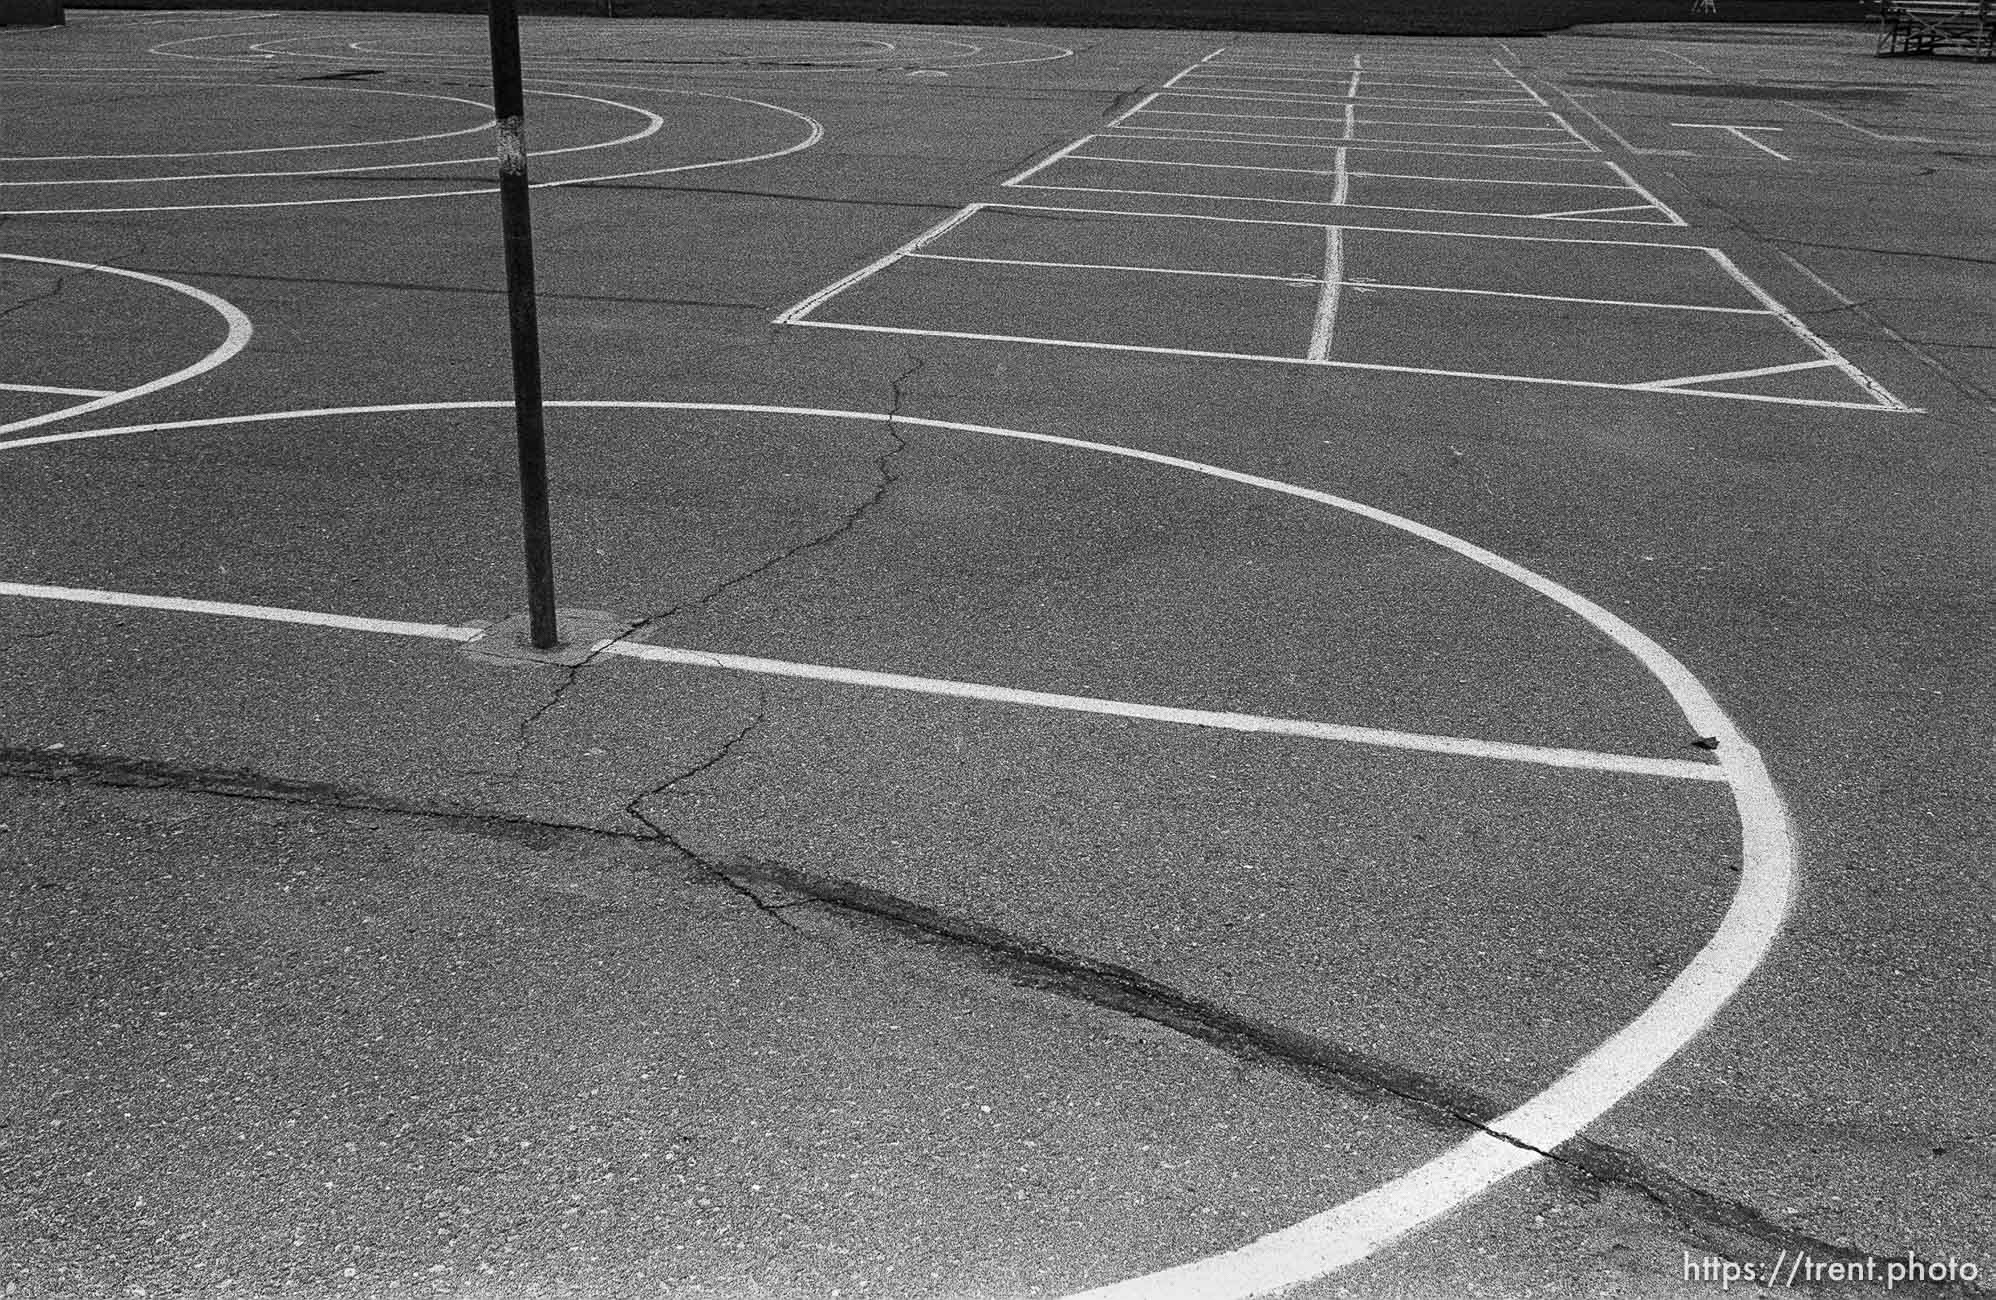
(1200, 665)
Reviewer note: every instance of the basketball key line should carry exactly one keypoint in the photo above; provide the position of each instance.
(470, 634)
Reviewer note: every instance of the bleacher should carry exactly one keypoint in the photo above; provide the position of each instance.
(1929, 26)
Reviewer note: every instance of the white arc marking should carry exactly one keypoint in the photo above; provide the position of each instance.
(238, 338)
(1597, 1081)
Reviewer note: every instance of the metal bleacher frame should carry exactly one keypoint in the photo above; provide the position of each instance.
(1928, 26)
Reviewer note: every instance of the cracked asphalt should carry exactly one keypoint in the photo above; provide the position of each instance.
(343, 963)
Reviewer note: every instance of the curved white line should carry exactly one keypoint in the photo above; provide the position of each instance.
(281, 148)
(1597, 1081)
(812, 137)
(237, 339)
(161, 49)
(886, 49)
(651, 128)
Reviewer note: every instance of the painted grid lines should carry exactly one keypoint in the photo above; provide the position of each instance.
(1234, 134)
(1326, 294)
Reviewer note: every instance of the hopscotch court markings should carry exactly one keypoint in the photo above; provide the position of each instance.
(1729, 293)
(1352, 124)
(1461, 195)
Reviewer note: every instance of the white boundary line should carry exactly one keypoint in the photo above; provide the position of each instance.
(1380, 367)
(52, 390)
(1883, 400)
(1687, 380)
(1327, 296)
(1398, 143)
(1350, 114)
(1590, 215)
(1258, 724)
(1587, 1089)
(1741, 133)
(286, 148)
(1341, 194)
(815, 133)
(1809, 336)
(1113, 266)
(1866, 131)
(653, 126)
(1362, 283)
(1617, 136)
(1567, 154)
(238, 337)
(229, 609)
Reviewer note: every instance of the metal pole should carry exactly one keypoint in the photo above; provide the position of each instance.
(509, 112)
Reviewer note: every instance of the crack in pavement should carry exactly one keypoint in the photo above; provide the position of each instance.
(884, 473)
(663, 834)
(55, 291)
(886, 477)
(1727, 1226)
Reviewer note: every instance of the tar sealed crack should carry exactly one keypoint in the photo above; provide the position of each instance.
(1727, 1227)
(662, 833)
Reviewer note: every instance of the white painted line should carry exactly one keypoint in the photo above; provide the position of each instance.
(1877, 390)
(1865, 131)
(237, 338)
(1682, 769)
(1109, 266)
(1048, 161)
(1218, 197)
(1686, 381)
(53, 391)
(794, 313)
(1692, 64)
(799, 314)
(1591, 212)
(1327, 297)
(1369, 285)
(288, 148)
(1740, 132)
(1057, 212)
(1341, 151)
(1350, 119)
(1568, 128)
(1137, 107)
(1401, 144)
(1588, 760)
(653, 125)
(1920, 354)
(1424, 149)
(1341, 185)
(815, 133)
(1491, 180)
(229, 609)
(1617, 136)
(1381, 367)
(1592, 1085)
(1670, 213)
(1208, 74)
(1209, 166)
